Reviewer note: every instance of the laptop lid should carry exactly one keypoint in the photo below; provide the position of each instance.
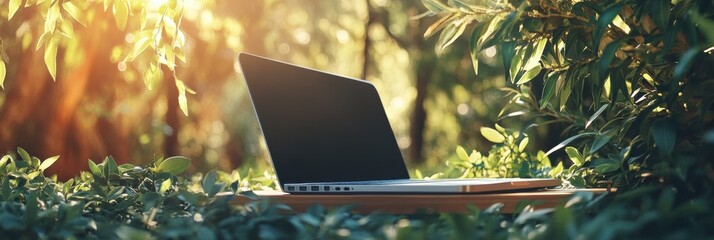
(321, 127)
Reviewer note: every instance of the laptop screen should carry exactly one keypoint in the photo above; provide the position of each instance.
(321, 127)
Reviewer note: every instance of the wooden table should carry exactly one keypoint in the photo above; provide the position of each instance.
(407, 204)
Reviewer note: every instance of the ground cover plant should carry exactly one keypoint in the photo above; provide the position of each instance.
(628, 84)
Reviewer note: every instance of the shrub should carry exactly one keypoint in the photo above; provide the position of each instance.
(631, 80)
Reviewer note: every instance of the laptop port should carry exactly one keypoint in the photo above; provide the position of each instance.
(326, 188)
(291, 188)
(347, 189)
(303, 189)
(337, 189)
(315, 188)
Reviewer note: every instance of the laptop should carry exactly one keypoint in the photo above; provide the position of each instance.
(330, 134)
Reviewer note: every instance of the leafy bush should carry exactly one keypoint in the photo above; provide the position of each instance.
(631, 80)
(153, 202)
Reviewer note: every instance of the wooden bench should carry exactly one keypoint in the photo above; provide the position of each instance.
(410, 203)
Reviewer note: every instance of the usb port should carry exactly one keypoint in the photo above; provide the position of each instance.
(315, 188)
(291, 188)
(326, 188)
(303, 189)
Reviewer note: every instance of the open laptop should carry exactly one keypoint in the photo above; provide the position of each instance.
(330, 134)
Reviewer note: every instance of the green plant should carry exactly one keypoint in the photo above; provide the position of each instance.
(153, 202)
(507, 158)
(630, 80)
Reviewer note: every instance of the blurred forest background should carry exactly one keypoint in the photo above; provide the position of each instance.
(99, 105)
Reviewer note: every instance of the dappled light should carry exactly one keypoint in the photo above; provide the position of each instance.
(119, 97)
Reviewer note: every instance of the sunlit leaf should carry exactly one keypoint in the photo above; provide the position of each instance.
(574, 156)
(3, 72)
(66, 29)
(183, 103)
(121, 13)
(94, 169)
(450, 33)
(492, 135)
(174, 165)
(48, 162)
(595, 115)
(53, 14)
(566, 142)
(523, 144)
(461, 153)
(534, 58)
(14, 5)
(435, 6)
(554, 172)
(24, 155)
(75, 13)
(51, 58)
(529, 75)
(165, 186)
(43, 38)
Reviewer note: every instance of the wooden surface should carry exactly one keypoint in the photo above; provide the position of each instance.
(406, 204)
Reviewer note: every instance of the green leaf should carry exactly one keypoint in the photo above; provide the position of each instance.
(121, 13)
(508, 51)
(435, 6)
(548, 89)
(602, 24)
(24, 155)
(660, 13)
(529, 75)
(450, 33)
(600, 142)
(94, 169)
(554, 172)
(51, 57)
(685, 62)
(175, 165)
(461, 153)
(575, 156)
(209, 181)
(566, 142)
(534, 59)
(4, 160)
(595, 115)
(165, 186)
(48, 162)
(492, 135)
(516, 63)
(110, 167)
(606, 59)
(665, 135)
(605, 165)
(14, 5)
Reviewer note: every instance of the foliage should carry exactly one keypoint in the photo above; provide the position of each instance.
(629, 79)
(507, 158)
(157, 29)
(152, 202)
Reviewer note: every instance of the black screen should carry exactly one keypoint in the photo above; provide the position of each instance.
(321, 127)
